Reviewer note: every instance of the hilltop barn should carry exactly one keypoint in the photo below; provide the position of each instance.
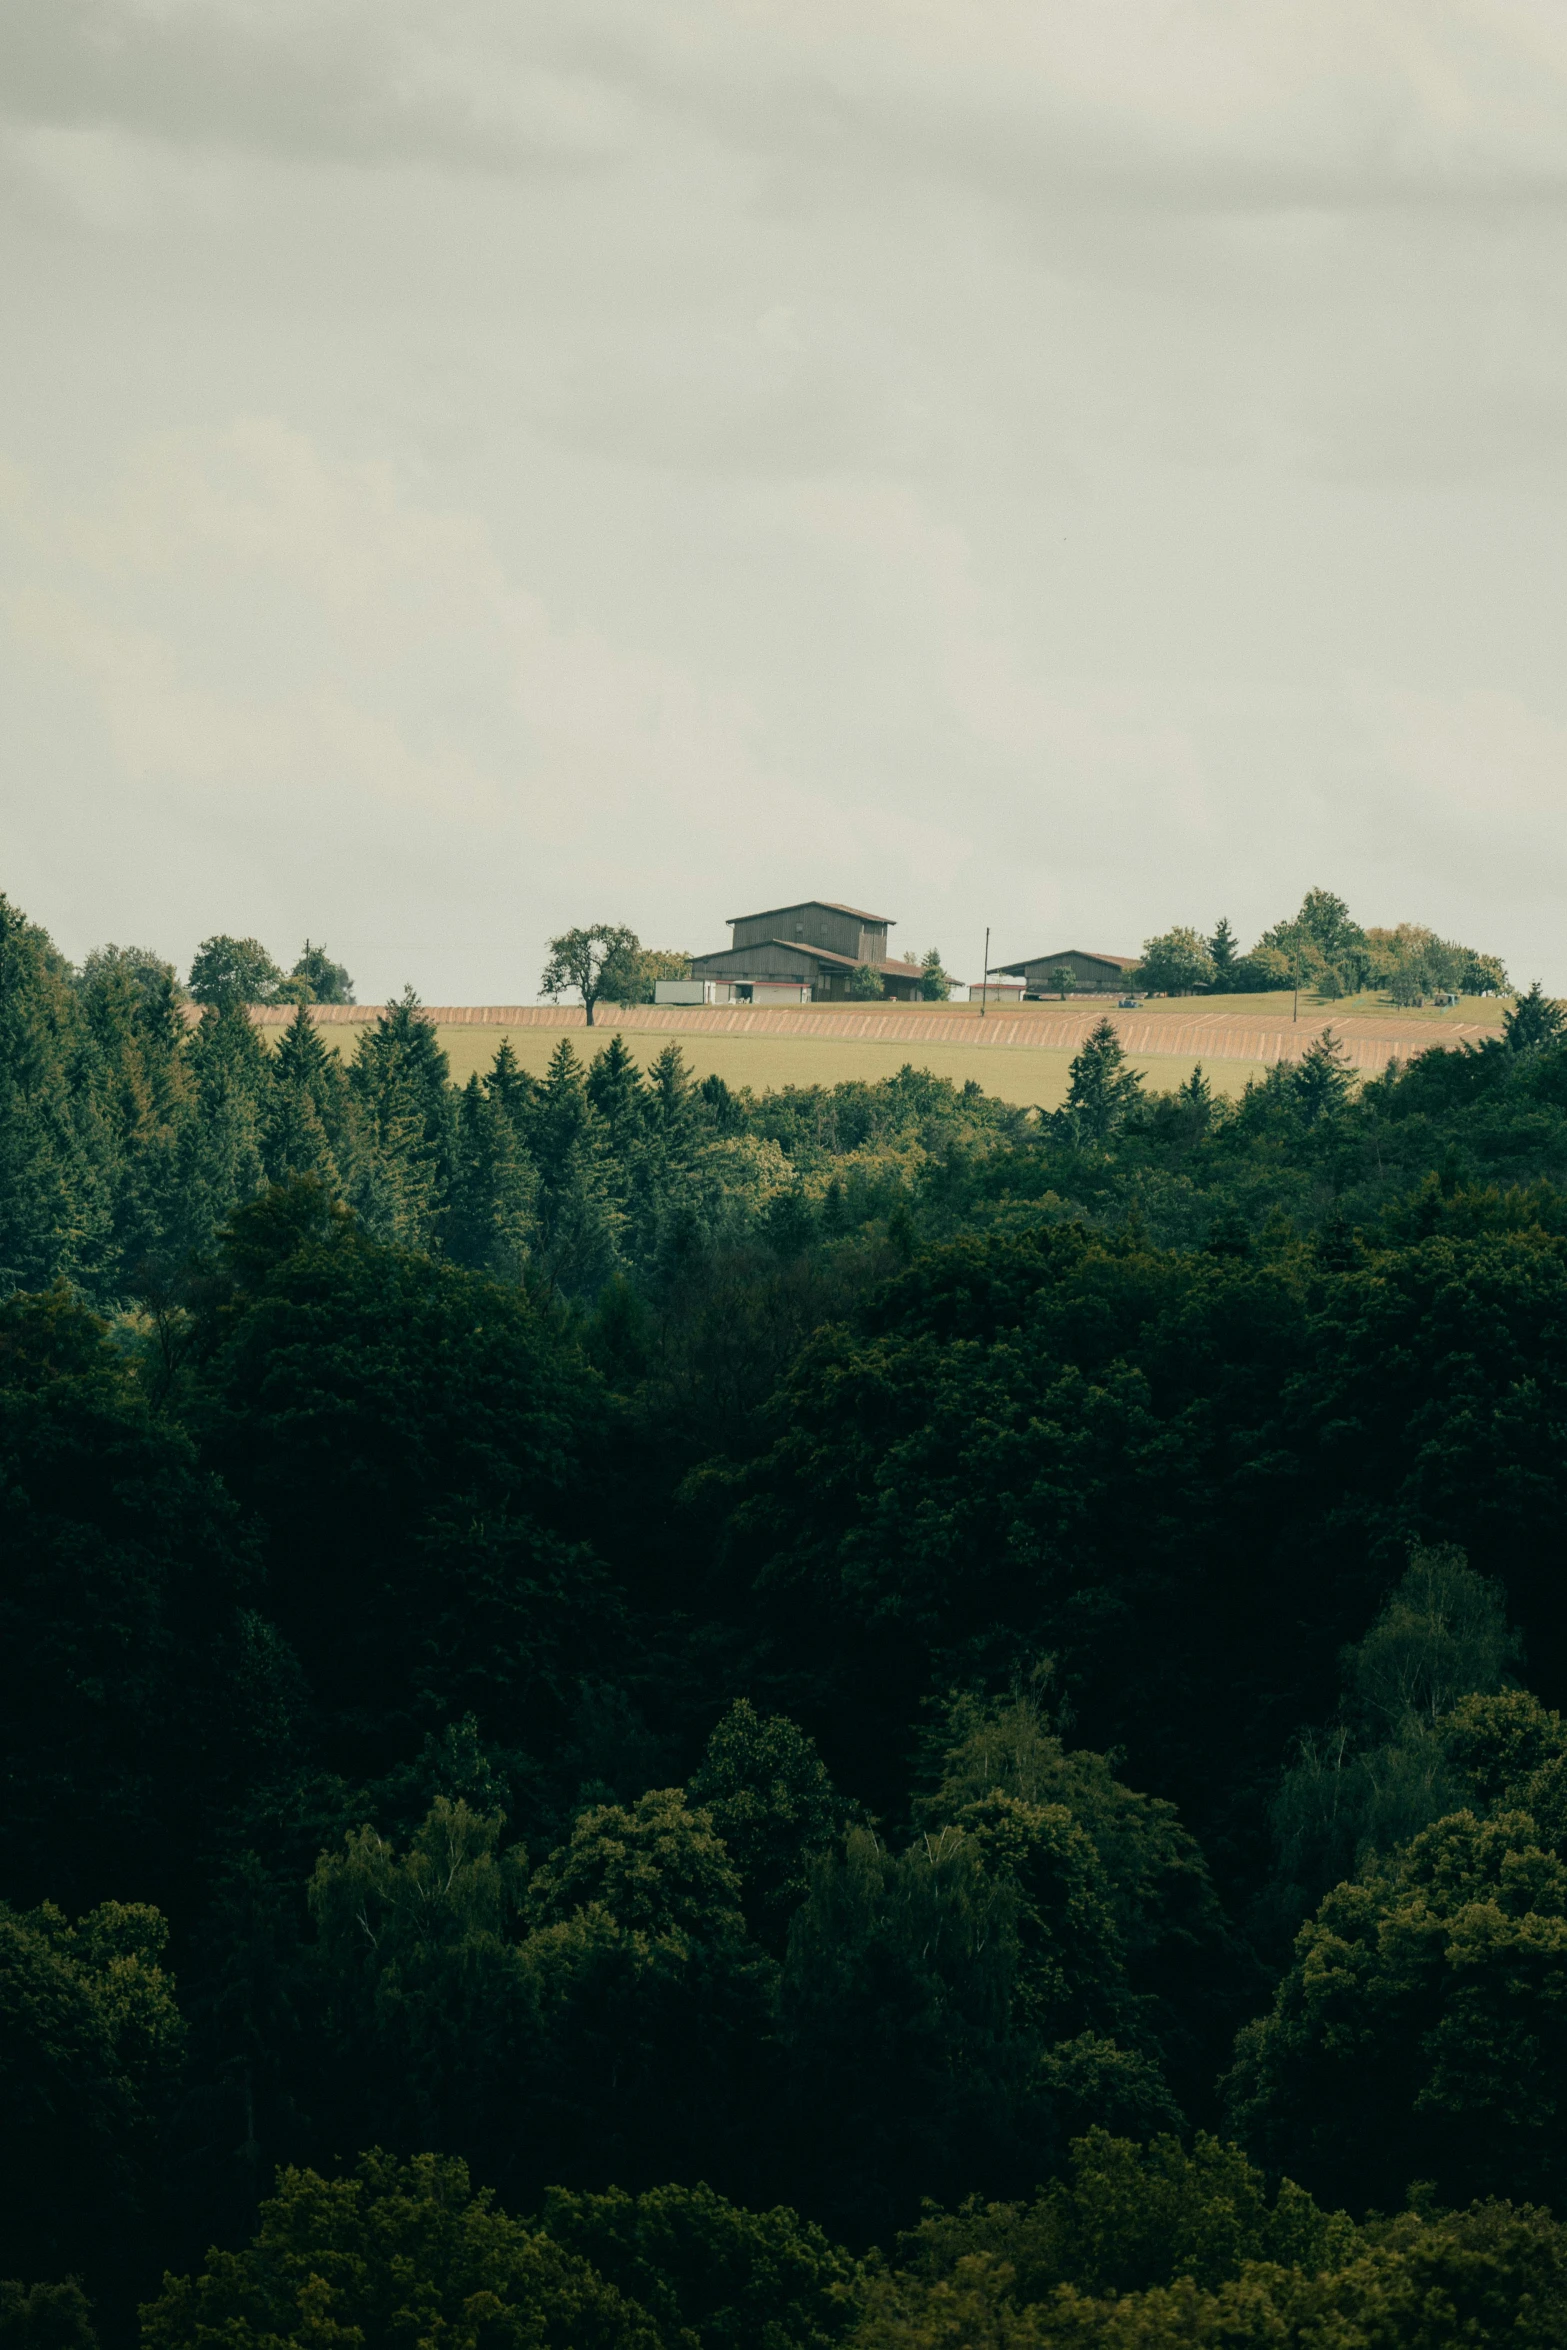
(1091, 973)
(810, 950)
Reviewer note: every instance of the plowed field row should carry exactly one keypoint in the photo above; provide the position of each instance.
(1208, 1035)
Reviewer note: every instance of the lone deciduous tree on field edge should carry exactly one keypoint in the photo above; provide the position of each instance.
(599, 961)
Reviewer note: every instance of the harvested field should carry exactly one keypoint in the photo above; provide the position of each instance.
(1019, 1052)
(1028, 1074)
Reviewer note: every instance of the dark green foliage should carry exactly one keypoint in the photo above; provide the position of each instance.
(1176, 1976)
(327, 981)
(654, 2009)
(711, 2275)
(659, 1870)
(53, 1212)
(935, 982)
(228, 973)
(1176, 1472)
(403, 1177)
(361, 2259)
(130, 1678)
(1422, 2028)
(306, 1120)
(413, 1443)
(426, 2003)
(495, 1188)
(1423, 2008)
(1128, 1527)
(90, 2050)
(1103, 1090)
(45, 2317)
(1223, 954)
(1534, 1020)
(896, 2015)
(1389, 1765)
(1179, 963)
(1211, 2265)
(1127, 2216)
(767, 1792)
(581, 1197)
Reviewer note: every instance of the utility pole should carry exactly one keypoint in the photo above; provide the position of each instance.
(984, 977)
(1295, 975)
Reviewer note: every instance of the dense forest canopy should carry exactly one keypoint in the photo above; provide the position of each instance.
(636, 1714)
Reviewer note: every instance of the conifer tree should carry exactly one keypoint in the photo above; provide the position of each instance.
(1224, 954)
(1535, 1019)
(54, 1183)
(129, 1069)
(508, 1083)
(672, 1097)
(1103, 1089)
(581, 1201)
(406, 1122)
(616, 1091)
(1322, 1080)
(495, 1188)
(220, 1163)
(307, 1107)
(935, 981)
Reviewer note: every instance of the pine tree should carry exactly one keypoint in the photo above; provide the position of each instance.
(306, 1089)
(616, 1091)
(1195, 1097)
(220, 1164)
(1322, 1080)
(508, 1083)
(1103, 1089)
(406, 1123)
(307, 1069)
(581, 1205)
(672, 1098)
(1224, 954)
(495, 1189)
(935, 982)
(55, 1164)
(1535, 1019)
(136, 1080)
(561, 1115)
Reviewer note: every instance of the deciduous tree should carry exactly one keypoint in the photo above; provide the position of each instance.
(602, 963)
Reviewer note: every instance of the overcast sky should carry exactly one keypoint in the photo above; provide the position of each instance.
(474, 466)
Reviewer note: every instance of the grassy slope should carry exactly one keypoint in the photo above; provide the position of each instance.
(1014, 1072)
(1011, 1073)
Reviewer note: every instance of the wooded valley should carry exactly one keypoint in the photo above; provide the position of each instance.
(643, 1715)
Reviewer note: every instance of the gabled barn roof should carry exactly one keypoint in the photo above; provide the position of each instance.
(1091, 954)
(829, 905)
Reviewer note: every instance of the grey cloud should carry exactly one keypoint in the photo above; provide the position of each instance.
(1421, 104)
(471, 462)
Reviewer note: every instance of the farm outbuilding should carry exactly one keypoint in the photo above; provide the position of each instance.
(1092, 972)
(818, 945)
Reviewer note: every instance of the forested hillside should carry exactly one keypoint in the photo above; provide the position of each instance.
(637, 1715)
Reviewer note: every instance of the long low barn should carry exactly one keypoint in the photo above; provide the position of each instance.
(1104, 974)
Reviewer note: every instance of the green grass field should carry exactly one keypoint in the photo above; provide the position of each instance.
(1013, 1073)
